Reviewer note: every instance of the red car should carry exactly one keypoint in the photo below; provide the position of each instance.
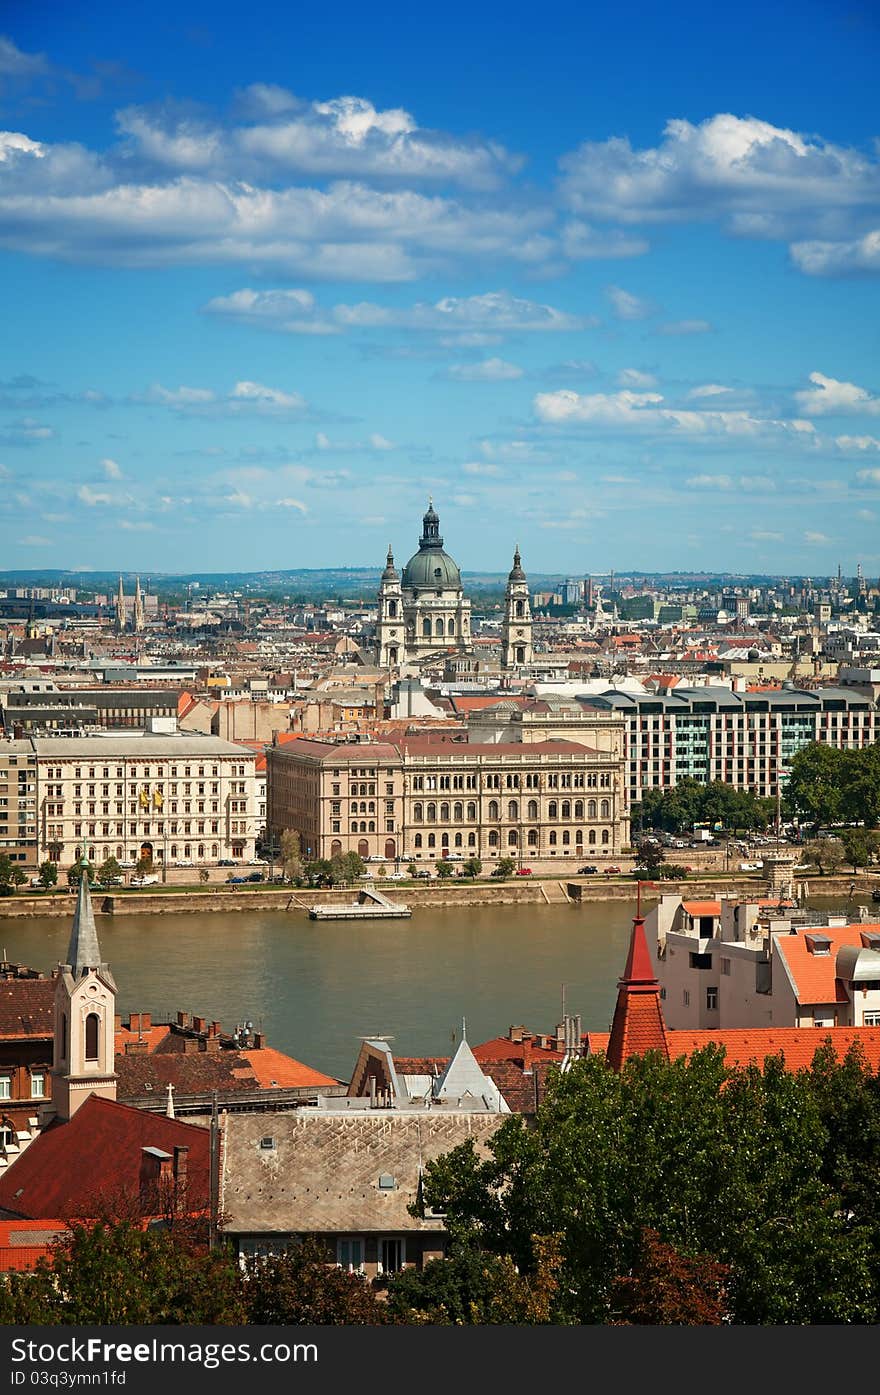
(524, 871)
(613, 870)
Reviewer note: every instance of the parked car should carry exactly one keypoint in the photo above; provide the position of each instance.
(750, 866)
(236, 881)
(148, 879)
(523, 871)
(254, 877)
(587, 871)
(613, 871)
(224, 862)
(397, 876)
(424, 874)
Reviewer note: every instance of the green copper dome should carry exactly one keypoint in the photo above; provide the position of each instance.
(431, 567)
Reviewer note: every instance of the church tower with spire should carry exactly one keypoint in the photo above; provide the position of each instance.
(138, 621)
(120, 608)
(85, 1008)
(390, 625)
(516, 631)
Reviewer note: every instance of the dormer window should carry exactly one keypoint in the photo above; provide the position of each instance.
(819, 945)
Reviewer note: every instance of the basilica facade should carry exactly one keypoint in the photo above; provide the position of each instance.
(424, 610)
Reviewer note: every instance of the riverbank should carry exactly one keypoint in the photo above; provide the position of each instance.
(516, 892)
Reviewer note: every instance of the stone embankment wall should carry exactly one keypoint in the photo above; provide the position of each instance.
(519, 891)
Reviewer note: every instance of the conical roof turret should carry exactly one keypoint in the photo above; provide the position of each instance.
(83, 951)
(516, 573)
(390, 572)
(638, 1024)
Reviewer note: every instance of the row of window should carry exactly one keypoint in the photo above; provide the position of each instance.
(532, 839)
(555, 780)
(38, 1085)
(566, 809)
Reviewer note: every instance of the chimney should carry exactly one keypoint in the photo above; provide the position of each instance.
(527, 1056)
(516, 1034)
(181, 1153)
(199, 1024)
(212, 1043)
(117, 1022)
(259, 1041)
(136, 1048)
(214, 1029)
(190, 1045)
(183, 1019)
(146, 1021)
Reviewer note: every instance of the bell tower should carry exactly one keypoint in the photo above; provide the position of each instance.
(516, 631)
(85, 1007)
(390, 633)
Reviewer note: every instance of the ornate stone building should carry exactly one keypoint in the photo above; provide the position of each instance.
(516, 633)
(425, 609)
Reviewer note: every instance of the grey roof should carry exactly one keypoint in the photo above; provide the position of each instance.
(463, 1082)
(144, 745)
(433, 569)
(84, 952)
(322, 1175)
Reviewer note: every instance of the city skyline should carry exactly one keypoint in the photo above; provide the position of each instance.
(606, 288)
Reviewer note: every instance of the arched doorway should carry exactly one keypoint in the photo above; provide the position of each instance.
(390, 848)
(146, 853)
(363, 848)
(336, 848)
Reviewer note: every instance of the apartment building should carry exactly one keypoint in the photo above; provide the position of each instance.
(744, 739)
(423, 799)
(173, 798)
(18, 803)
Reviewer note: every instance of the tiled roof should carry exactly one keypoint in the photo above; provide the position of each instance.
(26, 1008)
(191, 1073)
(702, 907)
(153, 1036)
(98, 1153)
(752, 1045)
(272, 1067)
(813, 975)
(22, 1243)
(638, 1024)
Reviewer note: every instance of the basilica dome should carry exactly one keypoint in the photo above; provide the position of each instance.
(431, 568)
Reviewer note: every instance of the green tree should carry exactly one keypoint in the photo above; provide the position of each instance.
(144, 865)
(504, 867)
(473, 1286)
(204, 876)
(650, 858)
(7, 867)
(109, 869)
(668, 1289)
(319, 872)
(473, 867)
(75, 873)
(860, 791)
(859, 846)
(444, 868)
(353, 866)
(291, 855)
(120, 1274)
(48, 874)
(815, 783)
(827, 853)
(301, 1287)
(411, 869)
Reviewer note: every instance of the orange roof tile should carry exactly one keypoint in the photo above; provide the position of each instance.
(153, 1036)
(748, 1046)
(273, 1068)
(814, 976)
(702, 907)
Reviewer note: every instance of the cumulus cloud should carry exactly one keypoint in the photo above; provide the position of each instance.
(93, 497)
(848, 257)
(243, 397)
(15, 63)
(830, 395)
(494, 312)
(112, 470)
(857, 443)
(870, 477)
(627, 306)
(25, 432)
(812, 537)
(635, 378)
(643, 411)
(756, 179)
(490, 370)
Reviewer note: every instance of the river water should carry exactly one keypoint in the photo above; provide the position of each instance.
(316, 987)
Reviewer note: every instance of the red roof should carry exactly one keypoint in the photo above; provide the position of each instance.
(22, 1243)
(97, 1154)
(747, 1046)
(700, 908)
(638, 1024)
(273, 1068)
(814, 975)
(26, 1008)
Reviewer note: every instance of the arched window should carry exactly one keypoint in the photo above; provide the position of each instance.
(201, 852)
(450, 628)
(566, 836)
(372, 828)
(215, 851)
(432, 813)
(566, 808)
(493, 838)
(336, 848)
(533, 837)
(354, 825)
(64, 1036)
(438, 629)
(532, 809)
(390, 848)
(444, 813)
(552, 838)
(591, 809)
(512, 809)
(363, 848)
(432, 840)
(579, 808)
(579, 836)
(426, 629)
(418, 813)
(93, 1029)
(392, 610)
(472, 840)
(493, 809)
(457, 813)
(605, 811)
(519, 610)
(512, 838)
(552, 809)
(363, 825)
(606, 837)
(418, 840)
(444, 840)
(471, 811)
(458, 840)
(592, 837)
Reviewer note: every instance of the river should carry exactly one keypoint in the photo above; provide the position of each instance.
(315, 987)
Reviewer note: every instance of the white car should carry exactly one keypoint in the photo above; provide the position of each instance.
(149, 879)
(750, 866)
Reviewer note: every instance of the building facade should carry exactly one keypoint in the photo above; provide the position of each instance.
(18, 803)
(423, 800)
(178, 798)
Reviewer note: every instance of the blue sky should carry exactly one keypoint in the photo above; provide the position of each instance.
(603, 284)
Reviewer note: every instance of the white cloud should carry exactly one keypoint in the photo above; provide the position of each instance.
(748, 484)
(867, 515)
(35, 540)
(763, 535)
(239, 500)
(112, 470)
(683, 327)
(581, 242)
(635, 378)
(245, 396)
(480, 467)
(291, 504)
(93, 497)
(268, 397)
(709, 390)
(17, 64)
(756, 179)
(843, 258)
(491, 370)
(871, 477)
(813, 537)
(129, 527)
(378, 442)
(642, 411)
(494, 312)
(180, 396)
(830, 395)
(857, 443)
(627, 306)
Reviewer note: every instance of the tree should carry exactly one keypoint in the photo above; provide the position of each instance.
(826, 853)
(504, 867)
(118, 1274)
(473, 867)
(291, 856)
(204, 876)
(472, 1285)
(6, 870)
(860, 792)
(651, 858)
(144, 865)
(75, 873)
(382, 871)
(300, 1287)
(109, 869)
(353, 866)
(665, 1288)
(411, 869)
(444, 869)
(859, 846)
(48, 874)
(814, 786)
(319, 872)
